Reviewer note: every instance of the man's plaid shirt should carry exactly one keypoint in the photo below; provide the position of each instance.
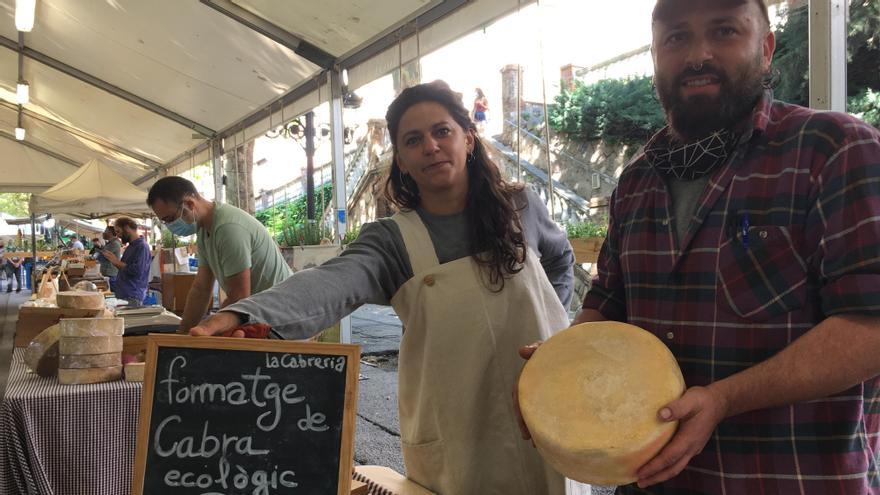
(786, 234)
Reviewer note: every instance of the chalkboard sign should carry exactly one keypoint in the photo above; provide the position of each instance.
(246, 416)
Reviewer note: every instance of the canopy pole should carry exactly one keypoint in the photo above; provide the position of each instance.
(33, 254)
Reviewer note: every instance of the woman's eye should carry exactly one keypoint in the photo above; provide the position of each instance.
(411, 141)
(443, 131)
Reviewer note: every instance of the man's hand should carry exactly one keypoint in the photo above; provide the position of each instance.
(698, 411)
(109, 256)
(525, 352)
(217, 324)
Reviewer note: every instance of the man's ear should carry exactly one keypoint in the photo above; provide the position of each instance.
(768, 47)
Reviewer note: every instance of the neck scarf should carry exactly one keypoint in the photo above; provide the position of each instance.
(689, 161)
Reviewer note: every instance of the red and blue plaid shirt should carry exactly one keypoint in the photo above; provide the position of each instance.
(786, 234)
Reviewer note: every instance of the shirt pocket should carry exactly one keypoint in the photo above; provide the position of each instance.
(763, 275)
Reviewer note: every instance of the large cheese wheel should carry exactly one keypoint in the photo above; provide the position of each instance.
(75, 299)
(89, 375)
(89, 345)
(590, 397)
(41, 355)
(79, 361)
(91, 327)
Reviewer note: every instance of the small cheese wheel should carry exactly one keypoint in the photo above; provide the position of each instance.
(89, 375)
(590, 397)
(134, 372)
(89, 345)
(41, 355)
(76, 299)
(79, 361)
(92, 327)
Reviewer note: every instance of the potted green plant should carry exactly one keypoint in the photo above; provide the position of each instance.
(586, 240)
(307, 245)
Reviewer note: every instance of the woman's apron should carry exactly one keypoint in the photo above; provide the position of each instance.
(458, 363)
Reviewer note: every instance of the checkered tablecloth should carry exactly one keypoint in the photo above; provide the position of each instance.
(66, 439)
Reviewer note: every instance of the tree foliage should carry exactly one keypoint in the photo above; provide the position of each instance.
(287, 221)
(625, 110)
(863, 59)
(14, 204)
(614, 110)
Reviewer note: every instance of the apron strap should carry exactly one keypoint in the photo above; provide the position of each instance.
(417, 241)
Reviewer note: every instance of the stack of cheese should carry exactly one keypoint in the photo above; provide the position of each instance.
(590, 397)
(90, 350)
(92, 347)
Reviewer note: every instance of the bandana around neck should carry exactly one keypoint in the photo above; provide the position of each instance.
(689, 161)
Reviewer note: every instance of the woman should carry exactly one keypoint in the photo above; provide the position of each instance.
(460, 265)
(481, 106)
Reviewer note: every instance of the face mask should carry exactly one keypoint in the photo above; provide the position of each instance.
(180, 227)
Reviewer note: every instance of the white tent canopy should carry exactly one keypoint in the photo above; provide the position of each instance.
(93, 191)
(145, 87)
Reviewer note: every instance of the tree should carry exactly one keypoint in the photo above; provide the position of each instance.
(14, 204)
(863, 59)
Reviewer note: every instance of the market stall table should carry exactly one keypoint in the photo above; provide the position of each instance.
(66, 439)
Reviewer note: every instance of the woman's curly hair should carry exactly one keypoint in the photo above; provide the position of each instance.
(494, 229)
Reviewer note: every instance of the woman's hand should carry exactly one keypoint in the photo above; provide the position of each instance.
(217, 324)
(525, 352)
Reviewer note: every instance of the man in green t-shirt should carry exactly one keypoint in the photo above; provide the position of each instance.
(234, 248)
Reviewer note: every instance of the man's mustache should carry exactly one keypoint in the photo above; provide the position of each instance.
(705, 70)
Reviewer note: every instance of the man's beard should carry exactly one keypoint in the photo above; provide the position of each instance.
(698, 116)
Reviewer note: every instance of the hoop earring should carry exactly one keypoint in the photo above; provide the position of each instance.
(471, 158)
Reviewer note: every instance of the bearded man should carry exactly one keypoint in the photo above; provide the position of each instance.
(746, 236)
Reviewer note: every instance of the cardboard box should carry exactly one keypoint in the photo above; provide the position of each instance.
(175, 288)
(33, 320)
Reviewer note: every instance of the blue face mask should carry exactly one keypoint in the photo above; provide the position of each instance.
(180, 227)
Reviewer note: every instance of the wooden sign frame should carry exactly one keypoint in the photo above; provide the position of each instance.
(349, 414)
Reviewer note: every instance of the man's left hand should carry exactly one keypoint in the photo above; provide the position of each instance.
(698, 411)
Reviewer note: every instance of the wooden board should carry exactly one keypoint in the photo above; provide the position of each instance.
(586, 249)
(214, 408)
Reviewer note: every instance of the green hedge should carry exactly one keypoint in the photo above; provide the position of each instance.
(612, 110)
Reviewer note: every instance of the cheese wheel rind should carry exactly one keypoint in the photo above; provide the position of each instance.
(90, 345)
(92, 327)
(89, 375)
(79, 299)
(41, 355)
(590, 397)
(80, 361)
(134, 372)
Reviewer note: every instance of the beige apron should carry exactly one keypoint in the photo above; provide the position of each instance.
(458, 363)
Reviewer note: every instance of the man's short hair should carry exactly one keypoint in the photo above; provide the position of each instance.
(170, 189)
(664, 9)
(125, 222)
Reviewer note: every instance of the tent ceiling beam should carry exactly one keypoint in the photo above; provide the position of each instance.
(42, 150)
(149, 163)
(275, 33)
(105, 86)
(286, 99)
(401, 30)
